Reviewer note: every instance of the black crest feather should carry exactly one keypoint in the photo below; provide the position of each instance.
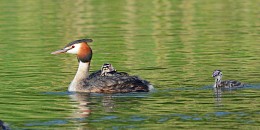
(79, 41)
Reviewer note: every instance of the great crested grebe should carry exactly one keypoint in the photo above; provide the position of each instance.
(99, 84)
(217, 74)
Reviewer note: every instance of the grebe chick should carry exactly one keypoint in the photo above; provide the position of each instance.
(106, 70)
(217, 74)
(99, 84)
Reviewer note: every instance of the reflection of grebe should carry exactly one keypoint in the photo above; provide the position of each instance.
(83, 105)
(217, 74)
(99, 84)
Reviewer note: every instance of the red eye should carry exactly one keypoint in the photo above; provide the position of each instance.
(72, 46)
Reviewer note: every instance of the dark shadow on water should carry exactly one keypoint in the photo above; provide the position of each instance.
(4, 126)
(133, 94)
(57, 93)
(47, 123)
(209, 87)
(151, 68)
(206, 116)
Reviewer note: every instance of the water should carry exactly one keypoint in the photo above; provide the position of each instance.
(174, 44)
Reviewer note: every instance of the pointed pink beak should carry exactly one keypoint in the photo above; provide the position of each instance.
(60, 51)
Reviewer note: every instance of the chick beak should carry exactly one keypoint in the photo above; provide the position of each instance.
(64, 50)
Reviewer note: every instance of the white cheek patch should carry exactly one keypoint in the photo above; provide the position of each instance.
(74, 50)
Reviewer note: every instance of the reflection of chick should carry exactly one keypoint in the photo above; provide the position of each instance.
(217, 74)
(108, 103)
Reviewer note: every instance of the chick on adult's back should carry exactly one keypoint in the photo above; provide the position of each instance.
(107, 70)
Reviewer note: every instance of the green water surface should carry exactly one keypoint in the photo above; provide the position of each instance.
(174, 44)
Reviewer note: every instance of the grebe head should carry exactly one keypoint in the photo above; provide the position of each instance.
(216, 73)
(106, 68)
(78, 47)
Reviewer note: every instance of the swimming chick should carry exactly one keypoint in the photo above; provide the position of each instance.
(98, 83)
(217, 74)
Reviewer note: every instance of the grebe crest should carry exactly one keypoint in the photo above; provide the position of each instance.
(217, 74)
(109, 81)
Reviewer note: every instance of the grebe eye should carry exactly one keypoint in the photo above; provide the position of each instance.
(72, 46)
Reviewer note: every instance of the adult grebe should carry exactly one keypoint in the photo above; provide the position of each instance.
(99, 84)
(217, 74)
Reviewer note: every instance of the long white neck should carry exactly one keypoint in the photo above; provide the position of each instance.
(80, 76)
(217, 81)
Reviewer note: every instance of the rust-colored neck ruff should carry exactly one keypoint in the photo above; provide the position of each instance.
(85, 53)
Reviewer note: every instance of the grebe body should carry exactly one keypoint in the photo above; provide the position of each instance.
(217, 74)
(101, 81)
